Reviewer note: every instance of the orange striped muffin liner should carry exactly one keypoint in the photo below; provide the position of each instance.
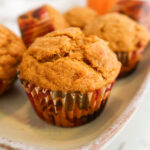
(34, 24)
(67, 109)
(5, 85)
(129, 61)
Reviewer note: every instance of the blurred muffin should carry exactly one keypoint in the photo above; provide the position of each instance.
(138, 10)
(11, 51)
(126, 38)
(80, 16)
(68, 77)
(40, 21)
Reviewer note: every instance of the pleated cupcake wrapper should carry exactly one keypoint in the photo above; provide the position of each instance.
(34, 24)
(67, 109)
(138, 10)
(5, 85)
(129, 60)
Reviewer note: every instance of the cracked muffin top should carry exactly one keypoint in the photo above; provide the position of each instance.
(66, 60)
(122, 33)
(11, 51)
(80, 16)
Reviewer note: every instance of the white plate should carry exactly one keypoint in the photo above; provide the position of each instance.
(20, 127)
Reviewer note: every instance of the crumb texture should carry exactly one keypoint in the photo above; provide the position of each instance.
(66, 60)
(122, 33)
(80, 16)
(11, 51)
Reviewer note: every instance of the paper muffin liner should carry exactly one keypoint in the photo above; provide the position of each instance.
(138, 10)
(67, 109)
(129, 61)
(5, 85)
(34, 24)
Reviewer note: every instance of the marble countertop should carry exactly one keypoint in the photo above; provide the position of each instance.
(136, 135)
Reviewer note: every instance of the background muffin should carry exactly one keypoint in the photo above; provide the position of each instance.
(68, 77)
(138, 10)
(126, 37)
(11, 51)
(80, 16)
(40, 21)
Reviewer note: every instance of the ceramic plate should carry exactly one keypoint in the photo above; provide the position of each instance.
(21, 129)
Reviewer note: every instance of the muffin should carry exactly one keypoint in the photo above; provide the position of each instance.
(80, 16)
(11, 51)
(68, 77)
(138, 10)
(40, 21)
(126, 38)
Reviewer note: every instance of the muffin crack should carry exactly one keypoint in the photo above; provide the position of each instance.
(51, 58)
(67, 60)
(87, 62)
(84, 60)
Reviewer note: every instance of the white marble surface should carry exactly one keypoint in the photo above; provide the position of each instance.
(136, 136)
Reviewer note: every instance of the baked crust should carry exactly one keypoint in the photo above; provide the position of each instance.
(65, 60)
(122, 33)
(11, 51)
(80, 16)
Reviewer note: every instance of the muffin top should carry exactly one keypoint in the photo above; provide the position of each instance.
(66, 60)
(11, 51)
(122, 33)
(80, 16)
(45, 12)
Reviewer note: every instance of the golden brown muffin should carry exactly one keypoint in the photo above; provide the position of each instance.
(126, 37)
(11, 51)
(65, 60)
(80, 16)
(68, 77)
(38, 22)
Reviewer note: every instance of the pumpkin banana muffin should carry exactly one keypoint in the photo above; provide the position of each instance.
(126, 38)
(68, 77)
(40, 21)
(11, 51)
(80, 16)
